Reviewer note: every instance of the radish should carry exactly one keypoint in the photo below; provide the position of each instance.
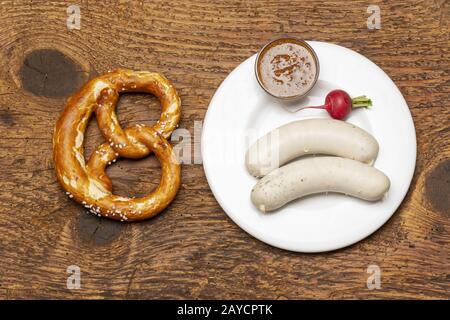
(339, 104)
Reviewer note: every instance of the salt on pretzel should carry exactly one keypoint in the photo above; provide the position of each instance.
(88, 183)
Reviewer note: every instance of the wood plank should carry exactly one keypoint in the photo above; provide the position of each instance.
(193, 250)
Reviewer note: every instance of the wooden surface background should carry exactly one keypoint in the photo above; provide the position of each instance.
(193, 250)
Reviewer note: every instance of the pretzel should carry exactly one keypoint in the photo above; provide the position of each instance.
(88, 183)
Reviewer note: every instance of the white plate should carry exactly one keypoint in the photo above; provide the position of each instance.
(241, 111)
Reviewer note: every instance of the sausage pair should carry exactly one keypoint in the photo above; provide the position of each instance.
(349, 171)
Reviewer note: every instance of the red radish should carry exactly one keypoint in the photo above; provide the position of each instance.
(339, 104)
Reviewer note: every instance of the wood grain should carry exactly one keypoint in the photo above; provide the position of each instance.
(193, 250)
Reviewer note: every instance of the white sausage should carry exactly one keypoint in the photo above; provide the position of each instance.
(311, 136)
(315, 175)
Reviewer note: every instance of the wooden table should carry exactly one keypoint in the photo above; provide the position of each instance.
(193, 250)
